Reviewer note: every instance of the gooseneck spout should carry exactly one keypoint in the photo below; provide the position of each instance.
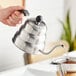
(46, 53)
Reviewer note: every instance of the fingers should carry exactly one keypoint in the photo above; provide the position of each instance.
(15, 18)
(12, 16)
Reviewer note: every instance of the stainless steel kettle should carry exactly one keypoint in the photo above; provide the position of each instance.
(31, 35)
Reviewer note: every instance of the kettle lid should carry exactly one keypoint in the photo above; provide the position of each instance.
(38, 21)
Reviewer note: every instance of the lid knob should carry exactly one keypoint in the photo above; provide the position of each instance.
(38, 19)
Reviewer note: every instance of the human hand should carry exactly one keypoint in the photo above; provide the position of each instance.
(10, 15)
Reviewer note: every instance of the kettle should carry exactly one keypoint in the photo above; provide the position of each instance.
(31, 36)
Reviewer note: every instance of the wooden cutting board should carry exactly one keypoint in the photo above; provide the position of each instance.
(6, 3)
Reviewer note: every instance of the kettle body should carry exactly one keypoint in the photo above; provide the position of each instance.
(31, 35)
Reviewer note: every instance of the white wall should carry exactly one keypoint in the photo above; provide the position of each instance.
(71, 5)
(10, 56)
(51, 10)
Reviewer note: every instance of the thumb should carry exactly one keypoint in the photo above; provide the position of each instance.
(15, 8)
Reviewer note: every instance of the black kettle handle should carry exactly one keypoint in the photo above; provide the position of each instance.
(25, 12)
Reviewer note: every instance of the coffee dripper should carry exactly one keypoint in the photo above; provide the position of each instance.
(66, 66)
